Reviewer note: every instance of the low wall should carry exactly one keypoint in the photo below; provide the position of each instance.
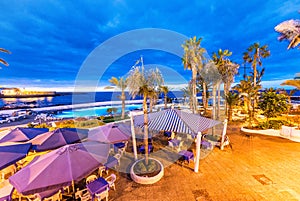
(287, 132)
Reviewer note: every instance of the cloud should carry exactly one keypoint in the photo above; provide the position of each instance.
(50, 40)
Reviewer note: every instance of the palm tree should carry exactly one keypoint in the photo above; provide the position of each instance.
(289, 30)
(152, 95)
(246, 90)
(2, 60)
(121, 84)
(193, 59)
(227, 69)
(231, 99)
(165, 90)
(211, 76)
(188, 92)
(254, 55)
(143, 82)
(295, 83)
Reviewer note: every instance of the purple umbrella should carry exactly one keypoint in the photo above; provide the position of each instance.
(60, 167)
(57, 138)
(23, 134)
(110, 133)
(11, 152)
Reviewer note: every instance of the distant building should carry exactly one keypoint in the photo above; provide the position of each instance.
(16, 92)
(9, 91)
(297, 76)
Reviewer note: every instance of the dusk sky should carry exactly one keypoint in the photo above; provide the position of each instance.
(52, 41)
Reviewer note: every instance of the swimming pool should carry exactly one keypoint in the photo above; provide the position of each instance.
(95, 111)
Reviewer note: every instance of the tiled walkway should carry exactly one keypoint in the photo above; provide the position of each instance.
(257, 168)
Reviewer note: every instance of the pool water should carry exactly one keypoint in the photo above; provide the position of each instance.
(95, 111)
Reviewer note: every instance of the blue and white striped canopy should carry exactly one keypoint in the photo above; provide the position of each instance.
(177, 121)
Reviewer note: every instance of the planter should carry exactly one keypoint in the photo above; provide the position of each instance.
(142, 175)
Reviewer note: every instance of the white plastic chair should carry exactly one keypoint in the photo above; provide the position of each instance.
(101, 170)
(55, 197)
(83, 195)
(118, 157)
(102, 195)
(111, 181)
(91, 178)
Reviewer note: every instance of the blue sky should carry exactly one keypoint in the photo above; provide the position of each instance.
(51, 41)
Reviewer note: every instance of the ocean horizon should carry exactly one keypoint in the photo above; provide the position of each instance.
(67, 98)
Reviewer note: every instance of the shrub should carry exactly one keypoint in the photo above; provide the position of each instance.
(273, 124)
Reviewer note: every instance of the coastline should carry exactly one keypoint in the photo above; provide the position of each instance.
(75, 106)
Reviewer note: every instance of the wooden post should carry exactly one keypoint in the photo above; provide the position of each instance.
(198, 145)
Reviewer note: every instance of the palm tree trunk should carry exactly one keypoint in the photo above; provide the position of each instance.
(194, 77)
(225, 94)
(214, 106)
(219, 101)
(229, 113)
(146, 128)
(204, 97)
(123, 104)
(151, 104)
(165, 100)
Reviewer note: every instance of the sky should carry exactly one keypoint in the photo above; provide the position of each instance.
(60, 45)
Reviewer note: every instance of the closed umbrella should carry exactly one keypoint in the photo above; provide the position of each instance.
(110, 133)
(57, 138)
(23, 134)
(60, 167)
(11, 152)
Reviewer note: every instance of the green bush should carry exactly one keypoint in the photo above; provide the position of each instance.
(273, 124)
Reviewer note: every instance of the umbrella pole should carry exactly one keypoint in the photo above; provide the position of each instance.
(198, 144)
(73, 186)
(133, 137)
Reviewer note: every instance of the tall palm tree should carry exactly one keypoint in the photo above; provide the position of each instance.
(227, 69)
(2, 61)
(121, 84)
(143, 82)
(193, 59)
(254, 55)
(289, 30)
(165, 90)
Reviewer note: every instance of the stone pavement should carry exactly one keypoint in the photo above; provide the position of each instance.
(257, 168)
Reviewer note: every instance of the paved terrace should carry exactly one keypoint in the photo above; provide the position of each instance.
(257, 168)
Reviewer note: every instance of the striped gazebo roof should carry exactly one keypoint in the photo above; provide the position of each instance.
(177, 121)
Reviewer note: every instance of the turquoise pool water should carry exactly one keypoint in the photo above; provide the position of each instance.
(95, 111)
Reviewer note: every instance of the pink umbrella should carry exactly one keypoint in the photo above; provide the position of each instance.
(110, 133)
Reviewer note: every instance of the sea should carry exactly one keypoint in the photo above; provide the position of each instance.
(68, 98)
